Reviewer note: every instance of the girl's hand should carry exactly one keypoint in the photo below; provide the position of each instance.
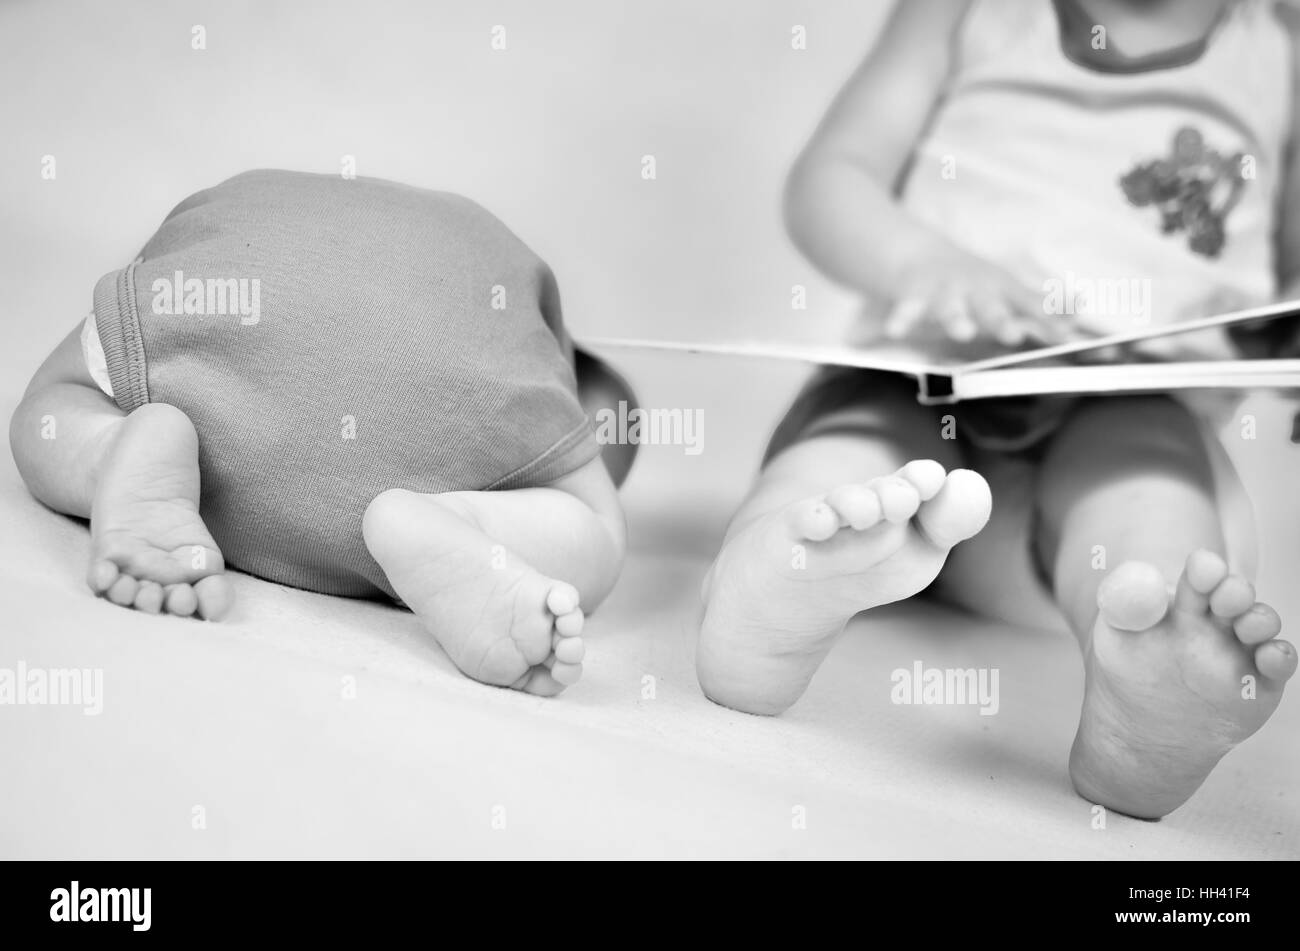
(969, 298)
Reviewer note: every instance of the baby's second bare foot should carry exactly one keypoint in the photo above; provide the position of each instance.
(784, 586)
(1173, 686)
(149, 549)
(499, 620)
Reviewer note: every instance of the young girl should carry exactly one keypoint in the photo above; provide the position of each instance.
(350, 386)
(989, 162)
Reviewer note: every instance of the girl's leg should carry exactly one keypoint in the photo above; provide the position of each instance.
(835, 524)
(1181, 662)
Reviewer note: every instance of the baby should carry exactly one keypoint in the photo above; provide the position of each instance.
(986, 155)
(350, 386)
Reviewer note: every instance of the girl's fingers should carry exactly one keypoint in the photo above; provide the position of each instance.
(1032, 318)
(1009, 312)
(954, 315)
(905, 316)
(1011, 332)
(1025, 302)
(996, 320)
(1045, 331)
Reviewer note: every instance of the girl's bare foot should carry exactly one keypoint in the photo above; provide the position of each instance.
(1173, 685)
(785, 586)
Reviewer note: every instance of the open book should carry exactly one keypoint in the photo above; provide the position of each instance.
(1052, 369)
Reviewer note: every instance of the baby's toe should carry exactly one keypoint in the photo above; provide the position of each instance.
(566, 674)
(1133, 597)
(122, 590)
(857, 506)
(814, 520)
(926, 475)
(1261, 623)
(569, 625)
(1276, 660)
(539, 682)
(1234, 595)
(1205, 571)
(899, 499)
(149, 598)
(562, 599)
(1202, 573)
(958, 511)
(181, 600)
(569, 650)
(214, 596)
(101, 575)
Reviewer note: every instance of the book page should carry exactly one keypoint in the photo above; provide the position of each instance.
(930, 352)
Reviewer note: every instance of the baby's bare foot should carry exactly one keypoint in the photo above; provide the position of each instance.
(1172, 687)
(149, 549)
(500, 621)
(784, 586)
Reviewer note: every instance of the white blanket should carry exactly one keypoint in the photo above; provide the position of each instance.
(243, 727)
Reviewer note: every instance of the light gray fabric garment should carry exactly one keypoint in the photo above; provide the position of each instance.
(394, 338)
